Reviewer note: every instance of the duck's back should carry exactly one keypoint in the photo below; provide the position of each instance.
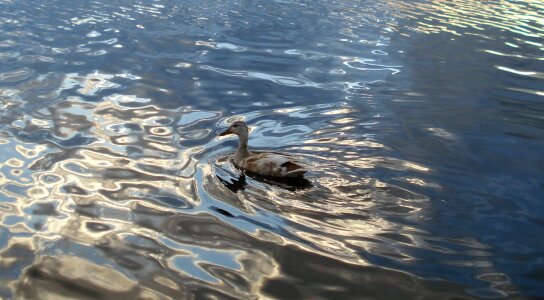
(272, 164)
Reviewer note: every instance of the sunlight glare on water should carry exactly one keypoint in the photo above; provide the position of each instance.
(421, 123)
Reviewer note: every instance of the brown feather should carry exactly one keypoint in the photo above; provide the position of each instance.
(291, 166)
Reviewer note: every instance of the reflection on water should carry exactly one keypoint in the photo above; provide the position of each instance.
(465, 17)
(421, 122)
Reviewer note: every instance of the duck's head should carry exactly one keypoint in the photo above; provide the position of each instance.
(238, 127)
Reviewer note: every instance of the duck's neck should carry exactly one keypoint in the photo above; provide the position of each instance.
(243, 149)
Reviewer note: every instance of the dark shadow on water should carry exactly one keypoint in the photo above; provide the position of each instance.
(290, 184)
(236, 184)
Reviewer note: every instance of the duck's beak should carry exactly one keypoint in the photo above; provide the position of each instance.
(226, 132)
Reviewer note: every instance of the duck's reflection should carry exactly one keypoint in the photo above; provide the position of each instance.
(290, 184)
(234, 185)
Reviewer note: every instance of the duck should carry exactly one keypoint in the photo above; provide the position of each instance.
(269, 164)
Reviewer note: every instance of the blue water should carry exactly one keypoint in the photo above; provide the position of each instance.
(422, 121)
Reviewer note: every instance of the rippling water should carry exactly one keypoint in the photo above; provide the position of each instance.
(422, 122)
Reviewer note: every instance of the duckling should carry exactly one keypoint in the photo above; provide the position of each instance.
(262, 163)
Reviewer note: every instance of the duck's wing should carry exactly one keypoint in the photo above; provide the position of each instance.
(293, 169)
(273, 164)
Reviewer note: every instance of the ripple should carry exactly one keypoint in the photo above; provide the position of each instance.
(93, 34)
(113, 183)
(16, 75)
(90, 84)
(282, 80)
(533, 74)
(455, 18)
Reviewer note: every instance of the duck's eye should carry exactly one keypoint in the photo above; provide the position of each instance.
(235, 125)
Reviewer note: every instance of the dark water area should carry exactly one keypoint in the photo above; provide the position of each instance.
(422, 121)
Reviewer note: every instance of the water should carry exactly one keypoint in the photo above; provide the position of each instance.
(422, 121)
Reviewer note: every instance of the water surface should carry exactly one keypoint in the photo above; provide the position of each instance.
(422, 122)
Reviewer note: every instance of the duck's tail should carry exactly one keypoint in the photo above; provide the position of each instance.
(293, 169)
